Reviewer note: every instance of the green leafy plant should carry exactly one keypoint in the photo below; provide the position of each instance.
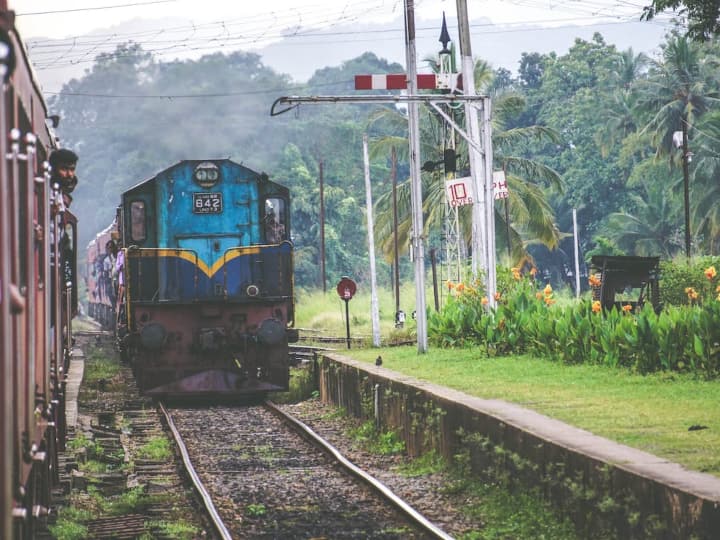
(683, 337)
(157, 448)
(256, 510)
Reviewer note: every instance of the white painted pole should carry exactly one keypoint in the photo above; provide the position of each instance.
(490, 253)
(577, 256)
(483, 211)
(374, 308)
(415, 180)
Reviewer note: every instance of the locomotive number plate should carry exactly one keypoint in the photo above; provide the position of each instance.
(207, 203)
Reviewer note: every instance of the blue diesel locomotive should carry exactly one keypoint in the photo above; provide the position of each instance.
(206, 305)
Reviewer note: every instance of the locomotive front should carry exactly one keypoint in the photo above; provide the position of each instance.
(207, 288)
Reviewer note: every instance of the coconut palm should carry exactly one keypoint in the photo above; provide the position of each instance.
(679, 90)
(620, 111)
(649, 226)
(705, 174)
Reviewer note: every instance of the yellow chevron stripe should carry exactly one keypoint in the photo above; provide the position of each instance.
(192, 257)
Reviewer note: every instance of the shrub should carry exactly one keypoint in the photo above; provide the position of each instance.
(678, 275)
(684, 337)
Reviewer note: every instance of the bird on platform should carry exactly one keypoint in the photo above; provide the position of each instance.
(378, 361)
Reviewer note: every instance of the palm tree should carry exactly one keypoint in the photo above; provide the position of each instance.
(649, 226)
(532, 219)
(706, 171)
(679, 90)
(620, 111)
(676, 93)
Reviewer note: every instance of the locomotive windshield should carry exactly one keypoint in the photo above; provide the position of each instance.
(274, 219)
(137, 221)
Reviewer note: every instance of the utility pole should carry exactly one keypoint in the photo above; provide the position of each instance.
(322, 228)
(686, 186)
(374, 305)
(415, 180)
(396, 254)
(483, 211)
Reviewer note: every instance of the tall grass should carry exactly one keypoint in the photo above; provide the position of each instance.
(325, 312)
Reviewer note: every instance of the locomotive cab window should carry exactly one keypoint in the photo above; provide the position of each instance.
(138, 230)
(274, 221)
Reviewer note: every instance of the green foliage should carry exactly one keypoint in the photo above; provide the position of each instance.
(129, 502)
(256, 510)
(703, 15)
(176, 529)
(428, 463)
(380, 442)
(679, 338)
(157, 448)
(68, 530)
(677, 275)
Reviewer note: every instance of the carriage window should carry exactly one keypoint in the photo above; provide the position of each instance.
(137, 221)
(274, 219)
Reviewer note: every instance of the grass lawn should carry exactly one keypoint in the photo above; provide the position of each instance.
(652, 412)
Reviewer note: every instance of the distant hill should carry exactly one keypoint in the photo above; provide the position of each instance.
(299, 55)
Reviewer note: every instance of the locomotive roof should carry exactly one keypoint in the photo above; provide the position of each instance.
(195, 161)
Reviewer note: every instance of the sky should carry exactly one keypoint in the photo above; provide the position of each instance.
(261, 19)
(180, 29)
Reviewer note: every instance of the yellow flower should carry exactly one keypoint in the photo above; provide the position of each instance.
(596, 306)
(533, 271)
(547, 290)
(484, 301)
(497, 296)
(710, 272)
(450, 285)
(594, 281)
(692, 294)
(515, 273)
(549, 301)
(627, 308)
(538, 295)
(460, 287)
(717, 289)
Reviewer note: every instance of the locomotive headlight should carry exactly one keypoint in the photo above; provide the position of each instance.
(271, 332)
(252, 290)
(206, 174)
(152, 336)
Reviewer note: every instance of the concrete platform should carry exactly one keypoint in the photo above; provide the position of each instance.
(576, 469)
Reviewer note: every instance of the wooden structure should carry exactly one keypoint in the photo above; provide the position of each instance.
(618, 274)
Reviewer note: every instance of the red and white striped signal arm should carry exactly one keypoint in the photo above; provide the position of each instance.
(398, 81)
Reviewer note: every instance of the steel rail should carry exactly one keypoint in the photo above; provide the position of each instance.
(416, 517)
(206, 498)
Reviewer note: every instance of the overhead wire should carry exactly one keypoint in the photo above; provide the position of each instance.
(273, 27)
(95, 8)
(61, 57)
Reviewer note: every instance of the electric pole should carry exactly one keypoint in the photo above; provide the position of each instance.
(415, 179)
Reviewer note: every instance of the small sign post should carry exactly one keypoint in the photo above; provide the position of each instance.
(346, 288)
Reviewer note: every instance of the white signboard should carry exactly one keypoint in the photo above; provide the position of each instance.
(500, 188)
(459, 192)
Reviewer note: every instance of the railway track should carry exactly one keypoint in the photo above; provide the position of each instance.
(263, 474)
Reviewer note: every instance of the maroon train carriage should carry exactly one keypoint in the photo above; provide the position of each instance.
(101, 287)
(38, 296)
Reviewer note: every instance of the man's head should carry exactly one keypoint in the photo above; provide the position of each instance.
(63, 162)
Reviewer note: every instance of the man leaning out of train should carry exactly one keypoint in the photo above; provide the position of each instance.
(63, 163)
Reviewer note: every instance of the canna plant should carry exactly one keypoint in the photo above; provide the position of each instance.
(526, 320)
